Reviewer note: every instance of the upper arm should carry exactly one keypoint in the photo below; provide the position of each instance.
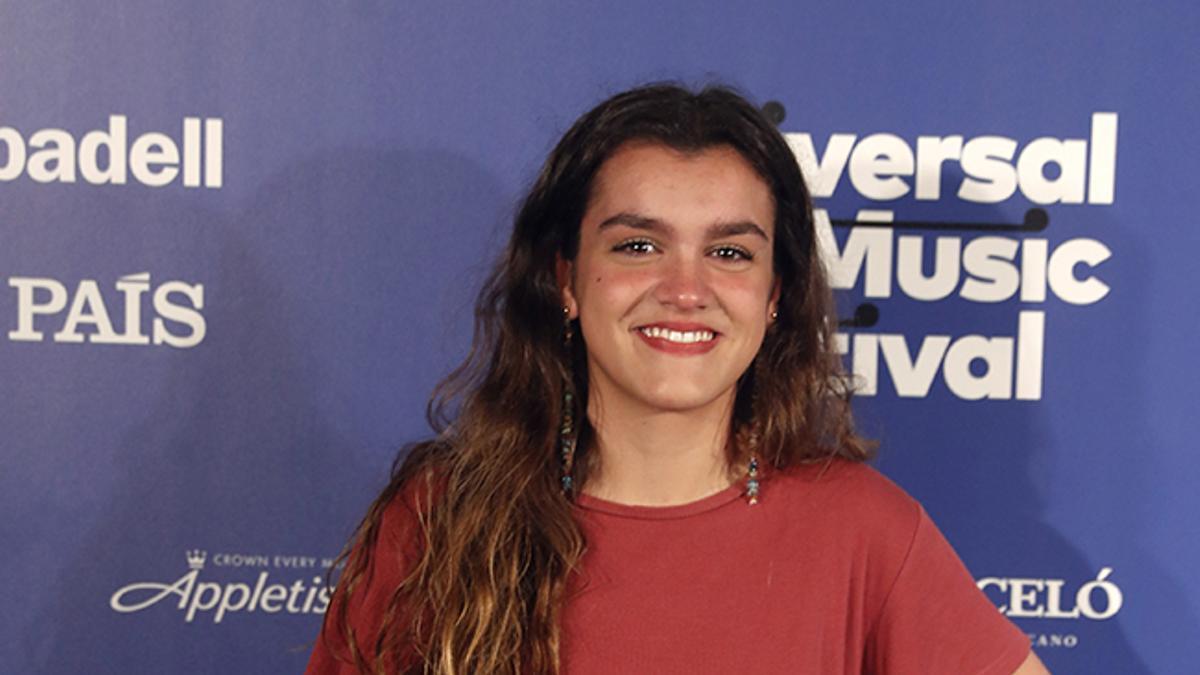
(381, 563)
(935, 620)
(1032, 665)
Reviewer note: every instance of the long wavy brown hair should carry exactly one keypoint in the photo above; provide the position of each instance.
(494, 540)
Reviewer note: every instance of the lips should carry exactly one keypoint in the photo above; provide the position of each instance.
(675, 337)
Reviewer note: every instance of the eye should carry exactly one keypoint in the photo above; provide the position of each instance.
(636, 247)
(732, 253)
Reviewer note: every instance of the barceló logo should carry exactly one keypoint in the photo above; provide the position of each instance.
(1097, 599)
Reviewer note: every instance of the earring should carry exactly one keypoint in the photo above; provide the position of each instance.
(566, 430)
(752, 436)
(752, 482)
(774, 314)
(566, 443)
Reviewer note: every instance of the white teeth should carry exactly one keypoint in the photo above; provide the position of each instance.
(682, 337)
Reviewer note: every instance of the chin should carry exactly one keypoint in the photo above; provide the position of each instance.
(682, 400)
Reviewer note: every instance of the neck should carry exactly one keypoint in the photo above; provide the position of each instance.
(659, 458)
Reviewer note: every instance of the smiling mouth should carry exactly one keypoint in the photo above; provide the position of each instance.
(683, 337)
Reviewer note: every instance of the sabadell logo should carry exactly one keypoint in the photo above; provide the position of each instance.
(108, 157)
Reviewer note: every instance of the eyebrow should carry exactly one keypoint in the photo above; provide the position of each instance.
(715, 231)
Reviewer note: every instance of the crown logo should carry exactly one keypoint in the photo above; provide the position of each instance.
(195, 558)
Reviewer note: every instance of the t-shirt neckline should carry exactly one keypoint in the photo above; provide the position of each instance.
(713, 501)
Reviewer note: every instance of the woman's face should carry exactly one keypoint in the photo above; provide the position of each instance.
(673, 284)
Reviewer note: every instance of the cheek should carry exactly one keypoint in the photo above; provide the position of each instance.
(612, 291)
(753, 294)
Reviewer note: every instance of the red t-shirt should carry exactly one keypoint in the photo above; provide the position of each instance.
(833, 571)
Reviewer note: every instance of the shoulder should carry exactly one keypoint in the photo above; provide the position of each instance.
(849, 492)
(404, 515)
(850, 511)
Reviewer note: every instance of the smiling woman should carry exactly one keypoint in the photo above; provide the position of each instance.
(648, 462)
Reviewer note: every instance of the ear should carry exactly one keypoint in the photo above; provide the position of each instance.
(773, 303)
(564, 272)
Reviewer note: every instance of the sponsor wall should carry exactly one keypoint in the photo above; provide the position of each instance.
(240, 244)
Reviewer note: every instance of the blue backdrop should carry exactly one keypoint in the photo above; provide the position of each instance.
(240, 244)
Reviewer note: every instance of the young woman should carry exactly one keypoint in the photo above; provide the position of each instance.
(647, 464)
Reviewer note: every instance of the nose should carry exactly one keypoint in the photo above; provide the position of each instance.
(683, 284)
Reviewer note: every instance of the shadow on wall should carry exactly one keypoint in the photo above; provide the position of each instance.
(333, 303)
(988, 471)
